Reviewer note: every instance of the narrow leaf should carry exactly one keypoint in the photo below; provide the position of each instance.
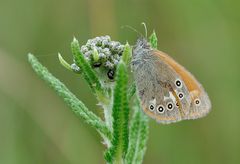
(69, 98)
(127, 54)
(120, 114)
(137, 137)
(131, 91)
(63, 62)
(143, 136)
(153, 40)
(89, 74)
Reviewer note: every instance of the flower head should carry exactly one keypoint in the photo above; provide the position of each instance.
(102, 52)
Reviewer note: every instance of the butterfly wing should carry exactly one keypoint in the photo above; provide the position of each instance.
(152, 93)
(155, 81)
(198, 102)
(167, 91)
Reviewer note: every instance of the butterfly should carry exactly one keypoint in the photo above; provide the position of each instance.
(167, 91)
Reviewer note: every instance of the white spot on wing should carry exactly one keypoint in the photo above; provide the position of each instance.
(172, 97)
(153, 101)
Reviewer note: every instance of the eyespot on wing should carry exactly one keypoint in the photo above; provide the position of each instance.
(194, 87)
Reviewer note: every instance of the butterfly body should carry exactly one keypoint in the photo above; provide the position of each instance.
(168, 92)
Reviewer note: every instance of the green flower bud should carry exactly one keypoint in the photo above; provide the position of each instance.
(95, 55)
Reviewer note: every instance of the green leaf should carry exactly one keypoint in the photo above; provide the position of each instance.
(88, 73)
(153, 40)
(64, 63)
(127, 53)
(131, 91)
(137, 137)
(69, 98)
(120, 114)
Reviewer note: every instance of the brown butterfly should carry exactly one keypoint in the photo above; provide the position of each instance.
(168, 92)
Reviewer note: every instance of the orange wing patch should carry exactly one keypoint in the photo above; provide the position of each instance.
(188, 79)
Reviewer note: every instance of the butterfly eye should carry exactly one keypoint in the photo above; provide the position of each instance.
(160, 109)
(197, 102)
(181, 95)
(178, 83)
(151, 107)
(170, 106)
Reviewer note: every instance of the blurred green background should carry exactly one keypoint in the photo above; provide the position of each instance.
(37, 127)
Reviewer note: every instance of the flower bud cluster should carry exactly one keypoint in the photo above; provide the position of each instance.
(102, 52)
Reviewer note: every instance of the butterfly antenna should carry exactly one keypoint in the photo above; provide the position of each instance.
(131, 28)
(145, 27)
